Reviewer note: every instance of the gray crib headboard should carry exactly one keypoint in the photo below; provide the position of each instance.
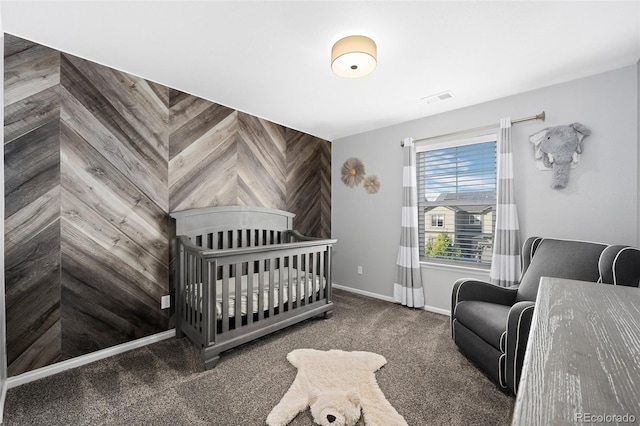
(195, 223)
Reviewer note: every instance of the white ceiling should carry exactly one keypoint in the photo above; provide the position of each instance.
(271, 58)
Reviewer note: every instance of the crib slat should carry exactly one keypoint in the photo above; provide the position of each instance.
(191, 289)
(299, 271)
(271, 287)
(261, 269)
(242, 237)
(318, 275)
(299, 293)
(208, 308)
(249, 292)
(321, 276)
(190, 284)
(179, 291)
(198, 290)
(309, 278)
(225, 240)
(225, 299)
(187, 298)
(184, 279)
(289, 285)
(302, 278)
(237, 273)
(281, 284)
(317, 281)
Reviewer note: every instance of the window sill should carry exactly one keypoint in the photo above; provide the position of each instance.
(452, 267)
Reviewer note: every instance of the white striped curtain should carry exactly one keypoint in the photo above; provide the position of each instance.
(408, 288)
(505, 264)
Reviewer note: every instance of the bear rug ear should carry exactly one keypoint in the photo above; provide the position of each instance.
(354, 396)
(313, 396)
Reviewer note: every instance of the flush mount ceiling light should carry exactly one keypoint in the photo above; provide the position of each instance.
(353, 56)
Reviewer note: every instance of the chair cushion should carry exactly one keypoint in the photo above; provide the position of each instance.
(574, 260)
(487, 320)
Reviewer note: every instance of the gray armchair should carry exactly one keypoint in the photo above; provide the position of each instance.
(490, 324)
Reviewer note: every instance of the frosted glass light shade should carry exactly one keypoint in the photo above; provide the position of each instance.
(353, 56)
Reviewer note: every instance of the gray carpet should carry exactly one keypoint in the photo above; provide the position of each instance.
(426, 379)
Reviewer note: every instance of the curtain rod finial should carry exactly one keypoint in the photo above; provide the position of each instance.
(406, 142)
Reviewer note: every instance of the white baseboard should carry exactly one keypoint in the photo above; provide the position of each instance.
(435, 310)
(387, 298)
(59, 367)
(362, 292)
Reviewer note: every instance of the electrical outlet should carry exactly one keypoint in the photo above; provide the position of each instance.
(359, 270)
(165, 302)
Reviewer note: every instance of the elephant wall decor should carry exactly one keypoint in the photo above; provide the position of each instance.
(559, 148)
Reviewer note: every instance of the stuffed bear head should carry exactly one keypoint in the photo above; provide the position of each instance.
(335, 408)
(558, 148)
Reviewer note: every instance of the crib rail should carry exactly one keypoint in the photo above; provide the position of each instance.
(290, 273)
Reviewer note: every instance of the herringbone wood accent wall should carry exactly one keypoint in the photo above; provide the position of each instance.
(95, 159)
(32, 204)
(309, 183)
(202, 153)
(114, 206)
(219, 156)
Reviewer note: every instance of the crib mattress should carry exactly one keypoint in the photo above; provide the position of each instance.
(255, 296)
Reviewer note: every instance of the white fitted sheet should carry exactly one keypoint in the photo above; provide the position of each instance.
(278, 285)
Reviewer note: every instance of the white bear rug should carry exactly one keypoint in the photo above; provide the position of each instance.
(336, 385)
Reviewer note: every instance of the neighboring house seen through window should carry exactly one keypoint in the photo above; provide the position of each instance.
(457, 200)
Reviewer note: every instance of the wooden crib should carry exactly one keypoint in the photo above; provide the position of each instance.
(242, 273)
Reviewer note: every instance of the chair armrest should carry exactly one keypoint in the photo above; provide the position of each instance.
(470, 289)
(620, 265)
(517, 335)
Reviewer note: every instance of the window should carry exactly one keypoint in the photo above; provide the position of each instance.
(437, 220)
(457, 197)
(475, 219)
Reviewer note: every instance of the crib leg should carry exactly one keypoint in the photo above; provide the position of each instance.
(210, 364)
(179, 333)
(328, 314)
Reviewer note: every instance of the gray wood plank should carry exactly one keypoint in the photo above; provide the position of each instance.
(100, 306)
(148, 174)
(127, 106)
(34, 111)
(29, 72)
(81, 156)
(206, 183)
(32, 166)
(32, 277)
(192, 119)
(583, 354)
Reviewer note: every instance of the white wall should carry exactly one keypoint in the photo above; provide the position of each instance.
(599, 204)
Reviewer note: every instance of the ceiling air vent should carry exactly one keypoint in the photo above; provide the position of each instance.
(439, 97)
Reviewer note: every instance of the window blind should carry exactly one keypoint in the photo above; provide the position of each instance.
(456, 202)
